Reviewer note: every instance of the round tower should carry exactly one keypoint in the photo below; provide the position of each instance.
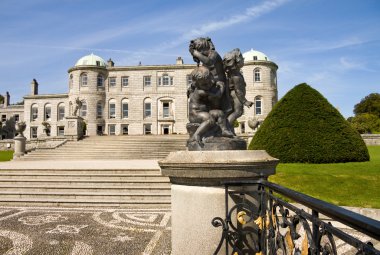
(87, 82)
(260, 75)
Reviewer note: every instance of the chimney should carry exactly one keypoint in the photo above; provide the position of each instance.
(7, 99)
(34, 87)
(179, 61)
(110, 63)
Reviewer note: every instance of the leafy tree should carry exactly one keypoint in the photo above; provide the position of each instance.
(304, 127)
(365, 123)
(369, 104)
(1, 99)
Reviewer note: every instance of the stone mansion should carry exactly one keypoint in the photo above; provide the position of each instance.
(134, 100)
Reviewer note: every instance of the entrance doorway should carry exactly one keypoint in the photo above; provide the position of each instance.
(165, 129)
(99, 129)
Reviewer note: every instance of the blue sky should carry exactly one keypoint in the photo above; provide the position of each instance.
(332, 45)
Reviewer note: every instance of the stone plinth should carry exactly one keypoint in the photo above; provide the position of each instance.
(20, 142)
(74, 127)
(198, 193)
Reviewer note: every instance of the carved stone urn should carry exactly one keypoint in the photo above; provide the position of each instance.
(20, 128)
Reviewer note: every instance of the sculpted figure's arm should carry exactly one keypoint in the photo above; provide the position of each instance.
(239, 86)
(204, 59)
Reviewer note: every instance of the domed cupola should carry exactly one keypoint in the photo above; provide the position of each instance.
(91, 60)
(254, 55)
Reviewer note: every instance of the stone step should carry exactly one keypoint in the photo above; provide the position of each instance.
(83, 203)
(81, 171)
(81, 188)
(86, 183)
(80, 195)
(88, 178)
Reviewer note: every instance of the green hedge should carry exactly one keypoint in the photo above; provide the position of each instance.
(304, 127)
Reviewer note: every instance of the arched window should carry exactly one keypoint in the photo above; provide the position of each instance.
(83, 80)
(112, 109)
(71, 82)
(258, 105)
(124, 108)
(100, 81)
(61, 111)
(147, 108)
(257, 73)
(273, 77)
(34, 112)
(83, 109)
(47, 115)
(99, 110)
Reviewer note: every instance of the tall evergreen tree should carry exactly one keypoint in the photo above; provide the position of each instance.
(304, 127)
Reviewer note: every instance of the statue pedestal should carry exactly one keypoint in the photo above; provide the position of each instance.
(198, 193)
(74, 127)
(20, 142)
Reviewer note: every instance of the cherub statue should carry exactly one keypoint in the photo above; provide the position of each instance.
(78, 105)
(233, 61)
(203, 51)
(204, 98)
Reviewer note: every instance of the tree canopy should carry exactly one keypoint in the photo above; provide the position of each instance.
(304, 127)
(1, 99)
(369, 104)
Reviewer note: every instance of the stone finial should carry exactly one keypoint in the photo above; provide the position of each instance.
(110, 63)
(34, 87)
(7, 99)
(179, 61)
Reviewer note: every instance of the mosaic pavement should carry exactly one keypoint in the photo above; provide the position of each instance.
(82, 231)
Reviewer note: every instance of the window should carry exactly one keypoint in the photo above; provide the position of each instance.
(254, 57)
(147, 81)
(47, 112)
(257, 75)
(111, 129)
(124, 109)
(16, 117)
(83, 80)
(112, 109)
(165, 80)
(99, 110)
(258, 105)
(112, 81)
(34, 112)
(124, 129)
(83, 109)
(61, 111)
(124, 81)
(147, 110)
(33, 132)
(274, 78)
(165, 109)
(71, 81)
(61, 131)
(147, 129)
(100, 81)
(3, 118)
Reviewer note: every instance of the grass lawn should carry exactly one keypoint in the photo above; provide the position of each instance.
(6, 155)
(344, 184)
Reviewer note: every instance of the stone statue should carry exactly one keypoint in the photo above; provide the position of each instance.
(233, 61)
(204, 107)
(78, 105)
(209, 101)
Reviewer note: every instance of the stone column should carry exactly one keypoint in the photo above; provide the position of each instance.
(20, 142)
(198, 194)
(74, 127)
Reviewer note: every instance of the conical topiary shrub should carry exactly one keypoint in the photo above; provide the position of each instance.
(304, 127)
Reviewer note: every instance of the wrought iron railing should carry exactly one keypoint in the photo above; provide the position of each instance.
(256, 221)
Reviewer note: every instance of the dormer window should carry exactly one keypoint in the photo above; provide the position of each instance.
(254, 57)
(97, 63)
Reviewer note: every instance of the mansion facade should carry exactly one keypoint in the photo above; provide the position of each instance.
(134, 100)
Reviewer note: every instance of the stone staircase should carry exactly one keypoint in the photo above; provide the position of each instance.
(97, 171)
(113, 148)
